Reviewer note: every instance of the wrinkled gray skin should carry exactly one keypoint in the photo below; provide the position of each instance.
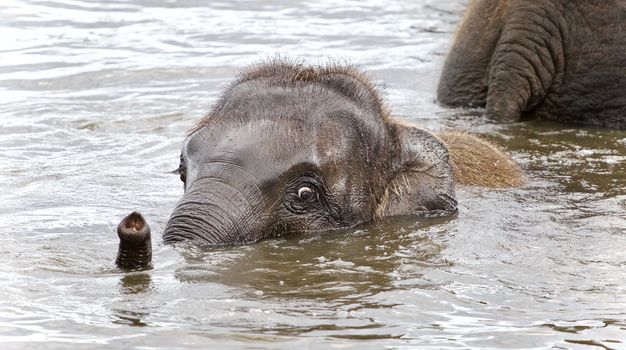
(135, 249)
(562, 60)
(290, 148)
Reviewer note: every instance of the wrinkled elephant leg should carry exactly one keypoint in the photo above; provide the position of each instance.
(528, 60)
(135, 250)
(464, 79)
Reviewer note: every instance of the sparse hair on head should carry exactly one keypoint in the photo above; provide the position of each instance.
(345, 79)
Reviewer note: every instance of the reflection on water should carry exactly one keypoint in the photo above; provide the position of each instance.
(134, 285)
(96, 98)
(334, 267)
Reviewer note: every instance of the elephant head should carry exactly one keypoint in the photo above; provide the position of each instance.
(294, 148)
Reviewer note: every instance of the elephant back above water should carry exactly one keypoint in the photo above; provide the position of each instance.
(563, 60)
(294, 148)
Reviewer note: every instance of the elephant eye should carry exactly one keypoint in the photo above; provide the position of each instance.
(182, 171)
(305, 193)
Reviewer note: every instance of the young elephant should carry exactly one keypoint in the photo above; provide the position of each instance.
(291, 148)
(563, 60)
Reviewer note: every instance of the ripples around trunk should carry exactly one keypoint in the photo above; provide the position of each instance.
(97, 97)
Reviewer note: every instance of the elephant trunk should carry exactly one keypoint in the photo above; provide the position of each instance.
(135, 250)
(214, 212)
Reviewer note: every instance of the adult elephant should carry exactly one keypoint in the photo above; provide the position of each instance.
(563, 60)
(293, 148)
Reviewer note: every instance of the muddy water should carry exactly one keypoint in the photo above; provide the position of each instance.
(95, 100)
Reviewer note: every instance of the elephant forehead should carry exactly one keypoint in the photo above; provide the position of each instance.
(251, 139)
(270, 149)
(344, 134)
(274, 117)
(309, 103)
(263, 149)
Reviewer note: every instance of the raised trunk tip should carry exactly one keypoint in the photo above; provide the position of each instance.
(135, 249)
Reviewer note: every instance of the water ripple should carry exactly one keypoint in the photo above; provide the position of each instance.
(96, 99)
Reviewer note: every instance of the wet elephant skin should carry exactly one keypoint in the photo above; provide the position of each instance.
(293, 148)
(556, 59)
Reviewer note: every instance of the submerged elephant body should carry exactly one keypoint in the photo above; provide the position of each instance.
(562, 60)
(292, 148)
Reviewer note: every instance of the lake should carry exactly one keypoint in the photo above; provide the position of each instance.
(96, 99)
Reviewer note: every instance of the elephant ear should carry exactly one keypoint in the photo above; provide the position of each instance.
(423, 184)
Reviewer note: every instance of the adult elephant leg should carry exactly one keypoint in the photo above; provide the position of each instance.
(528, 60)
(465, 73)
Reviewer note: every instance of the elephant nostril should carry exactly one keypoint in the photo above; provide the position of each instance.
(134, 221)
(135, 249)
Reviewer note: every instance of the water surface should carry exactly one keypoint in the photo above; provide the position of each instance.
(96, 97)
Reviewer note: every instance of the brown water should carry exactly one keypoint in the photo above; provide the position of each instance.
(96, 97)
